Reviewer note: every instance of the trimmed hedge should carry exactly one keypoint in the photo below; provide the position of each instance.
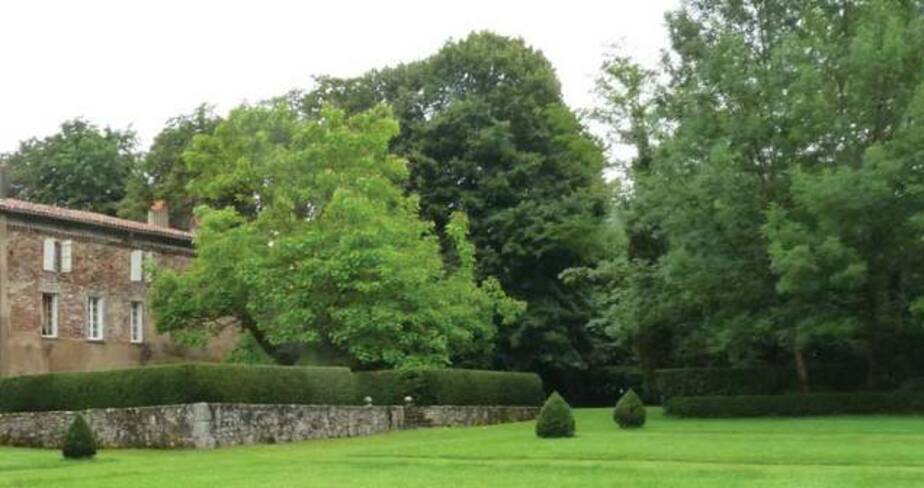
(793, 405)
(450, 387)
(765, 380)
(239, 383)
(173, 384)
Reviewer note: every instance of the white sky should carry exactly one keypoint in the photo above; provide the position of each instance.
(134, 63)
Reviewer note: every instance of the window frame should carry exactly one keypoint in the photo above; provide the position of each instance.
(50, 316)
(58, 259)
(136, 322)
(95, 323)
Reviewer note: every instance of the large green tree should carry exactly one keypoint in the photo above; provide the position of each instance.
(321, 246)
(81, 167)
(485, 131)
(163, 173)
(748, 138)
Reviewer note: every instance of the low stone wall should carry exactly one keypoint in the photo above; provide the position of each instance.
(206, 425)
(452, 416)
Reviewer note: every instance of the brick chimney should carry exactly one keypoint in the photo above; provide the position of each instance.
(159, 214)
(4, 181)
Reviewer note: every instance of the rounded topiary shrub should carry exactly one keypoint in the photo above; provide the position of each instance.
(555, 418)
(79, 442)
(629, 411)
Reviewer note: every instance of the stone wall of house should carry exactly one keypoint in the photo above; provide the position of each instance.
(101, 267)
(204, 425)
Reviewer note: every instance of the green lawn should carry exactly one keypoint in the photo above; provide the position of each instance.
(815, 452)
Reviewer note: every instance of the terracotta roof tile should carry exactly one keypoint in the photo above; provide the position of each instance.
(12, 205)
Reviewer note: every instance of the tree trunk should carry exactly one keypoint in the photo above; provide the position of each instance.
(275, 352)
(801, 368)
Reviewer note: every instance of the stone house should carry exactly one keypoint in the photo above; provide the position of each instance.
(73, 289)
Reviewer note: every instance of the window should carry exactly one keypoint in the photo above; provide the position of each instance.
(95, 319)
(49, 315)
(136, 326)
(141, 263)
(57, 255)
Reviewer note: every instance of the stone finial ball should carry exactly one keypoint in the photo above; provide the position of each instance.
(408, 399)
(368, 400)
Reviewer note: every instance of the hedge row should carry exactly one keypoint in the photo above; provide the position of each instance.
(767, 380)
(232, 383)
(792, 405)
(451, 387)
(173, 384)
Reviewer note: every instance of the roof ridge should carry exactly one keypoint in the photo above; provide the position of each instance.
(93, 218)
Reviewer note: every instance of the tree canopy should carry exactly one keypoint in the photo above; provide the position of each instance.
(485, 131)
(773, 198)
(320, 244)
(81, 167)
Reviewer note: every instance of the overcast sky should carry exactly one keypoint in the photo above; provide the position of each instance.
(138, 63)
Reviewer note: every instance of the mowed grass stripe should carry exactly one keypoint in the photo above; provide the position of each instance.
(834, 452)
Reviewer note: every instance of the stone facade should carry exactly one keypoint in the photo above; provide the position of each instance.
(204, 425)
(100, 252)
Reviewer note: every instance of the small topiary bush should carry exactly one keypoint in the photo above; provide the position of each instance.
(555, 418)
(79, 442)
(629, 411)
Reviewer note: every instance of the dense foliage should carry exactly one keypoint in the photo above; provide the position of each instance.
(79, 441)
(775, 206)
(555, 418)
(320, 245)
(175, 384)
(485, 131)
(854, 403)
(629, 411)
(81, 167)
(450, 387)
(163, 172)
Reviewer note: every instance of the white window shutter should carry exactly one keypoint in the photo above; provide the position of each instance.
(49, 259)
(66, 256)
(136, 265)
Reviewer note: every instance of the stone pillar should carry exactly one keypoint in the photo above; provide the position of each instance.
(202, 424)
